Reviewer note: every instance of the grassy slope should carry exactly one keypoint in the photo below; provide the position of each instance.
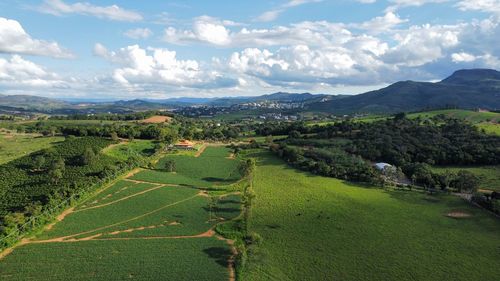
(471, 116)
(489, 176)
(17, 145)
(317, 228)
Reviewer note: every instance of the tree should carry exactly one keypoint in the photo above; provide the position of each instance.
(466, 181)
(39, 162)
(294, 134)
(88, 156)
(56, 175)
(247, 167)
(170, 165)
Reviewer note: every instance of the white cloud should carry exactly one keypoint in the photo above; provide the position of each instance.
(17, 72)
(146, 67)
(213, 31)
(488, 6)
(271, 15)
(462, 57)
(138, 33)
(14, 39)
(420, 45)
(381, 24)
(113, 12)
(407, 3)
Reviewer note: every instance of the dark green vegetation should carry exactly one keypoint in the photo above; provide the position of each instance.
(327, 229)
(139, 230)
(13, 146)
(488, 176)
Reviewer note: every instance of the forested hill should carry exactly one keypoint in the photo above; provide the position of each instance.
(474, 88)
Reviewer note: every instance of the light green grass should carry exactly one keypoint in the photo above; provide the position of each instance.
(490, 128)
(317, 228)
(136, 147)
(471, 116)
(489, 176)
(13, 146)
(212, 168)
(158, 259)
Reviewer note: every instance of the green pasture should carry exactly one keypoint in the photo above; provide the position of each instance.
(212, 168)
(471, 116)
(13, 146)
(317, 228)
(123, 151)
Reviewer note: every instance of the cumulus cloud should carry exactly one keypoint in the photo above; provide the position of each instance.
(208, 30)
(14, 39)
(138, 33)
(488, 6)
(462, 57)
(420, 45)
(113, 12)
(381, 24)
(17, 72)
(149, 66)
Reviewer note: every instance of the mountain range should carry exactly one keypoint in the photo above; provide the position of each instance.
(471, 88)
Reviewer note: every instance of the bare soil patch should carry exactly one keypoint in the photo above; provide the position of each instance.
(458, 215)
(157, 119)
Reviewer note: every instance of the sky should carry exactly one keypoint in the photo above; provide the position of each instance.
(110, 49)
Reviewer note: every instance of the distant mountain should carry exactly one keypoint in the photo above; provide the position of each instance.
(31, 102)
(474, 88)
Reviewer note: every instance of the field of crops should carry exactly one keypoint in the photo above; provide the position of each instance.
(136, 230)
(316, 228)
(489, 176)
(213, 167)
(13, 146)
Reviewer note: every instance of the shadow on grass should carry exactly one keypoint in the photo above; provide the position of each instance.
(219, 254)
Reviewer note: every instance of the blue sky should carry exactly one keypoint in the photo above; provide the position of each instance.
(161, 49)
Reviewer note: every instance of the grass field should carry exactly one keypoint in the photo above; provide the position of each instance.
(317, 228)
(123, 151)
(490, 128)
(13, 146)
(137, 230)
(212, 168)
(489, 176)
(471, 116)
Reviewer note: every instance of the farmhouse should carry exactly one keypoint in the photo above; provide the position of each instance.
(184, 145)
